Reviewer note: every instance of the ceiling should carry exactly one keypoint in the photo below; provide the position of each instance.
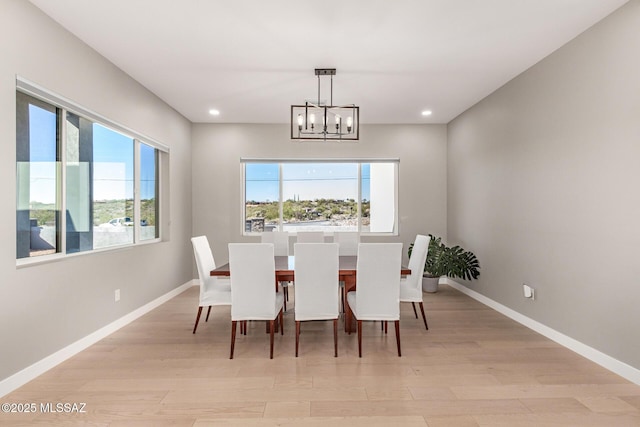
(253, 59)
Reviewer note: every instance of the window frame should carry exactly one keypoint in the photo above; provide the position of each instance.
(65, 105)
(358, 161)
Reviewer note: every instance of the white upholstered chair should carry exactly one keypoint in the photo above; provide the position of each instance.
(377, 294)
(310, 237)
(411, 286)
(280, 240)
(348, 242)
(213, 290)
(316, 273)
(253, 294)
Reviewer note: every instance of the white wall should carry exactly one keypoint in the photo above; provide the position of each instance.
(543, 182)
(217, 149)
(46, 307)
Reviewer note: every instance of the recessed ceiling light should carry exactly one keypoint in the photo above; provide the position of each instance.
(214, 112)
(426, 113)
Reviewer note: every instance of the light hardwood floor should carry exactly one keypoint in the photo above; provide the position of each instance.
(474, 367)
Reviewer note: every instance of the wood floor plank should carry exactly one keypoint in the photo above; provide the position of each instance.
(405, 421)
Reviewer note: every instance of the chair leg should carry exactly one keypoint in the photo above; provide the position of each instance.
(348, 315)
(271, 328)
(197, 319)
(297, 336)
(423, 316)
(398, 336)
(245, 327)
(359, 338)
(233, 337)
(382, 325)
(413, 304)
(285, 291)
(281, 322)
(386, 324)
(335, 337)
(208, 313)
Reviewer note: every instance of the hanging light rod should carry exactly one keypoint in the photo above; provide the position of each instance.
(345, 117)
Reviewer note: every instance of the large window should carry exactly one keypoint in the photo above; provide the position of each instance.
(105, 180)
(353, 195)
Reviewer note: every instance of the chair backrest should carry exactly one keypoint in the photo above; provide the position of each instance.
(310, 237)
(204, 262)
(280, 240)
(253, 273)
(316, 272)
(348, 241)
(417, 260)
(378, 281)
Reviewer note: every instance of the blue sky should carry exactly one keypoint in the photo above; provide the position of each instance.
(306, 181)
(112, 155)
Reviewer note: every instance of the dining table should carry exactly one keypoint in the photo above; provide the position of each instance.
(285, 272)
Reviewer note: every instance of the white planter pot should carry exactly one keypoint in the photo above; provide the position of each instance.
(430, 284)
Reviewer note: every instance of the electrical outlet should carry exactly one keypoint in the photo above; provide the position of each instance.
(117, 295)
(529, 292)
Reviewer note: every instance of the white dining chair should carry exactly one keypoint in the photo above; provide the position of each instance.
(280, 240)
(253, 294)
(213, 290)
(411, 286)
(310, 237)
(316, 278)
(377, 294)
(348, 242)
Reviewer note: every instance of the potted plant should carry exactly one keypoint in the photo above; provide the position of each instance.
(442, 260)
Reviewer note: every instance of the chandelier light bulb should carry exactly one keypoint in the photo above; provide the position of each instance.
(300, 121)
(349, 123)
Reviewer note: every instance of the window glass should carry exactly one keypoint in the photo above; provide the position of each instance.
(112, 188)
(262, 195)
(320, 196)
(37, 161)
(378, 198)
(148, 193)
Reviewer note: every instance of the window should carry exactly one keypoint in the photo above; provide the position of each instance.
(312, 195)
(105, 180)
(149, 190)
(37, 177)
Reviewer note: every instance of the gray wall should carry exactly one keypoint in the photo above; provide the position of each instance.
(543, 179)
(46, 307)
(217, 149)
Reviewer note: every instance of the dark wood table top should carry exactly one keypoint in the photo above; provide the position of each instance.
(285, 266)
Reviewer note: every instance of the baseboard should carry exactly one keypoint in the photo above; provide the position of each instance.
(614, 365)
(40, 367)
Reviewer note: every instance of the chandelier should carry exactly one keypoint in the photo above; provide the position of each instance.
(322, 121)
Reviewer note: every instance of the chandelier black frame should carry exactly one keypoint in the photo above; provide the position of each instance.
(319, 121)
